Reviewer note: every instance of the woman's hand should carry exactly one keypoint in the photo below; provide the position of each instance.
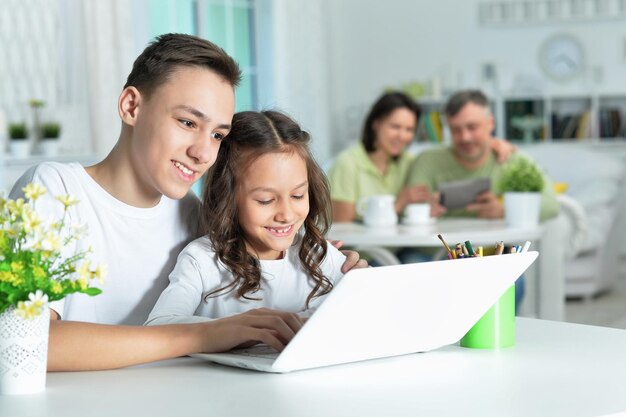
(503, 149)
(411, 194)
(436, 209)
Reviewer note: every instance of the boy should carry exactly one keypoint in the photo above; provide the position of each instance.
(176, 107)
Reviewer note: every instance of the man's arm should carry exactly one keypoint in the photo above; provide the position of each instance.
(78, 346)
(487, 206)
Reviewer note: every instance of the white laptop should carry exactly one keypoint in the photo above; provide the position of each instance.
(388, 311)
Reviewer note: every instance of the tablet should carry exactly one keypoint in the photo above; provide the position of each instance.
(458, 194)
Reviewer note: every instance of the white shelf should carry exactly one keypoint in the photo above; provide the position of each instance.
(12, 168)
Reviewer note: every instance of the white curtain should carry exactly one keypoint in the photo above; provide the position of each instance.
(109, 47)
(299, 66)
(29, 58)
(72, 54)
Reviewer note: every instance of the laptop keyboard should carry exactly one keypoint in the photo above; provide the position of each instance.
(259, 351)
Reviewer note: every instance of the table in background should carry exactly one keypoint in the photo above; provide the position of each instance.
(555, 369)
(545, 288)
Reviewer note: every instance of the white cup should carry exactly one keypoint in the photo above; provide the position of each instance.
(377, 210)
(418, 213)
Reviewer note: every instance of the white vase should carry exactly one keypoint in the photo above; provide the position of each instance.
(23, 352)
(19, 148)
(49, 147)
(522, 209)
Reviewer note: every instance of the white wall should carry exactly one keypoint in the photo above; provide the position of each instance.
(374, 44)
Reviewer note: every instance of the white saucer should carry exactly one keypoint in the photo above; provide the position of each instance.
(408, 222)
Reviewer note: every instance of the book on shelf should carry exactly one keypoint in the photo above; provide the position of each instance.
(584, 126)
(433, 127)
(437, 124)
(569, 131)
(569, 126)
(610, 123)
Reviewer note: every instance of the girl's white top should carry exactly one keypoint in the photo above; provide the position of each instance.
(285, 285)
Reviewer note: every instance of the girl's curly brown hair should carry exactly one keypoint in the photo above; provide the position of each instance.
(254, 134)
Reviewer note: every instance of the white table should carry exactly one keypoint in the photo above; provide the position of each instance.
(555, 369)
(546, 295)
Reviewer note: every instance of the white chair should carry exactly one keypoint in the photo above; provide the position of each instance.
(593, 208)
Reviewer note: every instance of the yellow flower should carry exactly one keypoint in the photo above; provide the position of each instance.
(83, 271)
(27, 310)
(100, 273)
(15, 207)
(30, 254)
(16, 267)
(34, 191)
(13, 231)
(38, 272)
(51, 242)
(82, 284)
(31, 221)
(11, 278)
(38, 299)
(56, 288)
(67, 200)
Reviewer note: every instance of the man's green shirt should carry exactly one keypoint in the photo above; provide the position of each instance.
(437, 166)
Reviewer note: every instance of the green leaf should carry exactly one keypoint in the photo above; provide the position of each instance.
(92, 291)
(521, 175)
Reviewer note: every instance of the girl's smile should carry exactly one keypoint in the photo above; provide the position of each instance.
(280, 232)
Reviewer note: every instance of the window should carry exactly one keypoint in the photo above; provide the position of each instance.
(227, 23)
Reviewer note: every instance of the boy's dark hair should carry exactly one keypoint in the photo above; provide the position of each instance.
(458, 100)
(253, 135)
(173, 50)
(383, 107)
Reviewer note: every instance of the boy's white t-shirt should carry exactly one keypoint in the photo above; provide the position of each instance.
(285, 285)
(138, 245)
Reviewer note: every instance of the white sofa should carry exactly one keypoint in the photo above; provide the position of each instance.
(593, 209)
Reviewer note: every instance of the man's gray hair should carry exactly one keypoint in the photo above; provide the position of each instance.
(458, 100)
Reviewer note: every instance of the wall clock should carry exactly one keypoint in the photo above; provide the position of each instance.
(561, 57)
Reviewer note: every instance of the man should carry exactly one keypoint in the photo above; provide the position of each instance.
(176, 107)
(470, 156)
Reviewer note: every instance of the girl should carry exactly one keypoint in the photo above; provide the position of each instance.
(266, 210)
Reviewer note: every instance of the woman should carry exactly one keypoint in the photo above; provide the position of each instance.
(379, 164)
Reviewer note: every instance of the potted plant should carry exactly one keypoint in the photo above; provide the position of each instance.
(50, 133)
(18, 135)
(36, 105)
(521, 182)
(35, 268)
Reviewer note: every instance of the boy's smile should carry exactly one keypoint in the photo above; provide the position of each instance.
(272, 203)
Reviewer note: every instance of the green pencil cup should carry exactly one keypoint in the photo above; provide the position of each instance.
(496, 328)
